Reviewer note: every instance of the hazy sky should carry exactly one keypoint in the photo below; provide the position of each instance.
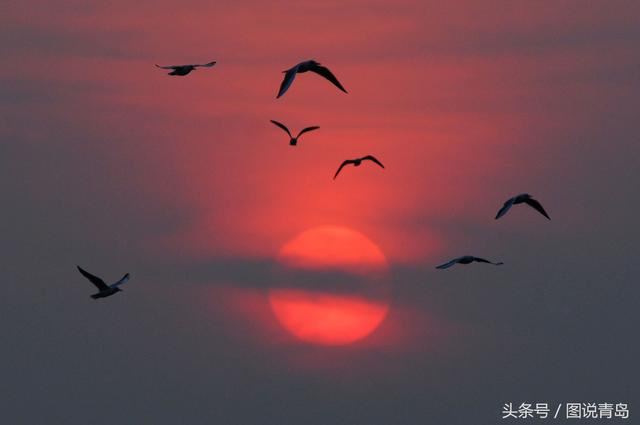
(107, 162)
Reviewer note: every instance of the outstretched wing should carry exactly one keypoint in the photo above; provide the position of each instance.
(537, 206)
(99, 283)
(307, 129)
(172, 66)
(348, 161)
(289, 76)
(447, 265)
(282, 126)
(482, 260)
(208, 65)
(323, 71)
(373, 158)
(506, 207)
(124, 279)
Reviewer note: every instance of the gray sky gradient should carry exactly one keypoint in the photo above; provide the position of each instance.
(99, 168)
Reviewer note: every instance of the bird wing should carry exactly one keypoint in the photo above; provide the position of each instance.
(447, 265)
(307, 129)
(482, 260)
(348, 161)
(208, 65)
(506, 207)
(323, 71)
(124, 279)
(373, 158)
(289, 76)
(169, 66)
(537, 206)
(99, 283)
(282, 126)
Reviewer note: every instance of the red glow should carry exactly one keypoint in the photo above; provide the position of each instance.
(326, 319)
(323, 318)
(332, 246)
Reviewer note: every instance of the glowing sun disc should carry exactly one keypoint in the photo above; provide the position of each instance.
(328, 318)
(325, 318)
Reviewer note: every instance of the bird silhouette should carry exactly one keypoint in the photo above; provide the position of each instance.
(356, 163)
(294, 140)
(519, 199)
(104, 289)
(467, 259)
(182, 70)
(310, 65)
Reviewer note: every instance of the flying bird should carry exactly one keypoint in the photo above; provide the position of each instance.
(467, 259)
(519, 199)
(356, 163)
(294, 140)
(104, 289)
(310, 65)
(182, 70)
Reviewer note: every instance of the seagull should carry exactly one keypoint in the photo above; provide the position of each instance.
(105, 290)
(467, 259)
(294, 140)
(356, 163)
(310, 65)
(182, 70)
(519, 199)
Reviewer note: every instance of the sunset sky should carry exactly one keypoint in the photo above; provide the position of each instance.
(107, 162)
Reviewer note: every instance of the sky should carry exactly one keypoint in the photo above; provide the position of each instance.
(108, 163)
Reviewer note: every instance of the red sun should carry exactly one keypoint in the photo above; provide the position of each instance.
(331, 318)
